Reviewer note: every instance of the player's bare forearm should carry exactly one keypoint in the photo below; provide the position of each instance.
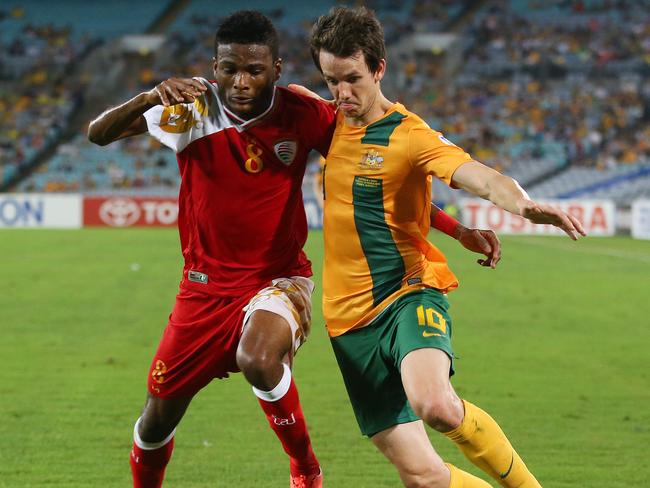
(121, 121)
(128, 120)
(506, 193)
(487, 183)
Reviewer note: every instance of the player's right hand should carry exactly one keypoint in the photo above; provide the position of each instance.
(176, 90)
(539, 213)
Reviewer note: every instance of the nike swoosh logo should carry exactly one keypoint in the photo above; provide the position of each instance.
(502, 476)
(430, 334)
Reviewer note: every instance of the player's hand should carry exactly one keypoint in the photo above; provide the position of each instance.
(483, 242)
(176, 90)
(539, 213)
(307, 92)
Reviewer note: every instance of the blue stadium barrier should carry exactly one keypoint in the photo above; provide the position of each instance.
(601, 185)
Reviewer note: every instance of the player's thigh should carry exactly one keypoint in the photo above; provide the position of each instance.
(423, 352)
(264, 346)
(407, 446)
(371, 378)
(198, 344)
(426, 383)
(266, 336)
(277, 319)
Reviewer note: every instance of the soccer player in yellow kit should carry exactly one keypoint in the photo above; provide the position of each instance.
(384, 284)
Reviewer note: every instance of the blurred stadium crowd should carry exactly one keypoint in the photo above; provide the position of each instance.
(555, 93)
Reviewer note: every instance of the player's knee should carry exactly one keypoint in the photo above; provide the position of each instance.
(252, 362)
(440, 413)
(262, 369)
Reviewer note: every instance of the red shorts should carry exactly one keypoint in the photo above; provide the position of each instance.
(199, 343)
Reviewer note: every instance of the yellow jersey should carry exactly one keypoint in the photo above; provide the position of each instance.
(377, 190)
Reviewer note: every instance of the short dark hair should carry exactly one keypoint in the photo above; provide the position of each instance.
(247, 27)
(344, 31)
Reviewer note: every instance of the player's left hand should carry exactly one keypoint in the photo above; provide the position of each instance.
(539, 213)
(483, 242)
(302, 90)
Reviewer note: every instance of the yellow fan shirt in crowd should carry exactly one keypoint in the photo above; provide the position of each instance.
(377, 190)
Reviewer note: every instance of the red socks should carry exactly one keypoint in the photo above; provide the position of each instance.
(284, 413)
(148, 461)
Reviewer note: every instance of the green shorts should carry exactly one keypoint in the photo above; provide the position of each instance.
(370, 357)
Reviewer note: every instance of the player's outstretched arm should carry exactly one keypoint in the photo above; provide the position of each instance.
(479, 241)
(504, 192)
(127, 119)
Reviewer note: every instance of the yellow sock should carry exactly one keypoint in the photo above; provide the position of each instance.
(483, 442)
(462, 479)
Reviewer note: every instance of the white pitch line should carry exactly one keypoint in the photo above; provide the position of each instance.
(598, 251)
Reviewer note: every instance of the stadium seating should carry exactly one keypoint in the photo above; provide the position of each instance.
(39, 44)
(106, 20)
(556, 130)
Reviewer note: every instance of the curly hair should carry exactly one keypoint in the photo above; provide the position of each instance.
(247, 27)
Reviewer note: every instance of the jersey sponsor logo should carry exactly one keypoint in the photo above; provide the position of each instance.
(119, 212)
(159, 372)
(286, 151)
(371, 160)
(254, 163)
(197, 277)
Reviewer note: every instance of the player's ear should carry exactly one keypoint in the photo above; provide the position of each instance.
(277, 68)
(215, 65)
(381, 71)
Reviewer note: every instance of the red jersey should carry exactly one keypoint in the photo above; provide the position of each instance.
(241, 216)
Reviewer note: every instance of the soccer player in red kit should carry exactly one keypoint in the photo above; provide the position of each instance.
(244, 300)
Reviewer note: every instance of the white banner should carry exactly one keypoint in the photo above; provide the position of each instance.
(641, 219)
(598, 217)
(35, 210)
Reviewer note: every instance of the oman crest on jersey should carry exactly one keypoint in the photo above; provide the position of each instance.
(286, 151)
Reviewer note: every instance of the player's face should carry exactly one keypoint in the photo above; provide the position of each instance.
(355, 88)
(245, 75)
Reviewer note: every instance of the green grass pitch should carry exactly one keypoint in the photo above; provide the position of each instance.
(554, 344)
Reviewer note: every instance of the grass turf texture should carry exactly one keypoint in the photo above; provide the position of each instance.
(554, 344)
